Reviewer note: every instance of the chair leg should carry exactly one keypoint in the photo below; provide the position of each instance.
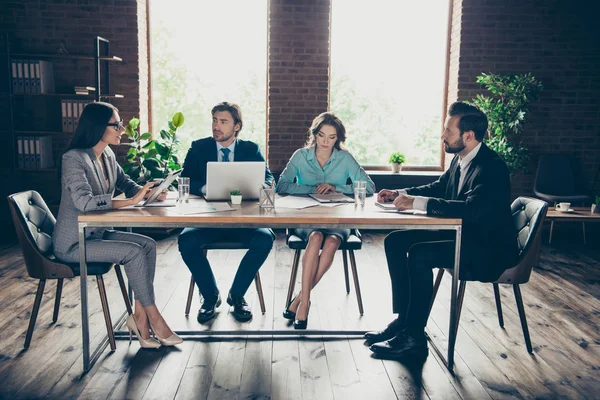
(461, 297)
(34, 312)
(261, 297)
(551, 230)
(59, 286)
(104, 301)
(521, 309)
(584, 240)
(188, 304)
(436, 286)
(293, 278)
(498, 305)
(123, 289)
(356, 283)
(345, 257)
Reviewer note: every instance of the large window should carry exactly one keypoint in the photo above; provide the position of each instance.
(388, 61)
(205, 52)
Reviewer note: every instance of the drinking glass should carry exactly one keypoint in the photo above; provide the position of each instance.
(183, 185)
(360, 192)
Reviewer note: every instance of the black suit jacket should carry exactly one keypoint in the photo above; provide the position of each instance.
(205, 150)
(489, 239)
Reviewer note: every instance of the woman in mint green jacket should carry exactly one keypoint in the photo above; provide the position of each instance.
(322, 166)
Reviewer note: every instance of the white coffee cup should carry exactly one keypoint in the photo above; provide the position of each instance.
(563, 206)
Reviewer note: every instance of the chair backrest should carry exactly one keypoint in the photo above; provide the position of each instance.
(528, 217)
(34, 224)
(555, 175)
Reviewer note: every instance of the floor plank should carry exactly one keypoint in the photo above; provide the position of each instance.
(562, 301)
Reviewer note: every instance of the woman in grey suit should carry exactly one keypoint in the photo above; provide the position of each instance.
(89, 176)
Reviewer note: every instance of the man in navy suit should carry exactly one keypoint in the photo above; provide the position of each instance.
(223, 146)
(475, 188)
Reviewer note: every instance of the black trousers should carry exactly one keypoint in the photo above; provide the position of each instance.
(411, 256)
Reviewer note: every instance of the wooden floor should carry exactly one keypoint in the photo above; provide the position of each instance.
(561, 300)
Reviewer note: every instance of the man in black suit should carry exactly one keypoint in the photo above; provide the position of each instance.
(475, 188)
(223, 146)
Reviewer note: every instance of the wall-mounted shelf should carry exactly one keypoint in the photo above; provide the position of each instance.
(67, 56)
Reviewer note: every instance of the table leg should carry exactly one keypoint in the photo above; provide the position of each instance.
(453, 300)
(85, 325)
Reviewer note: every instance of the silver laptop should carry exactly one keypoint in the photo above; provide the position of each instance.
(223, 177)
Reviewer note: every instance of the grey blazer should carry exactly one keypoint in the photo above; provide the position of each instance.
(85, 189)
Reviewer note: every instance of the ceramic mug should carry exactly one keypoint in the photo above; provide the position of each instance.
(562, 206)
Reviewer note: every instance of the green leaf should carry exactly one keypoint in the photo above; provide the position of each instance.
(134, 123)
(162, 149)
(178, 119)
(151, 163)
(171, 126)
(146, 136)
(149, 145)
(165, 135)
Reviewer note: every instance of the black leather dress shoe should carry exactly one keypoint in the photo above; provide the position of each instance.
(394, 327)
(207, 311)
(401, 346)
(241, 310)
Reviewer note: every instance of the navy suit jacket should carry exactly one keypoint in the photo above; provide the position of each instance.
(489, 241)
(204, 150)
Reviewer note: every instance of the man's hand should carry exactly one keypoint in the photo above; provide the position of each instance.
(325, 188)
(404, 202)
(385, 195)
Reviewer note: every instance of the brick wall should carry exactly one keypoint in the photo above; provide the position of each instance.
(298, 73)
(557, 41)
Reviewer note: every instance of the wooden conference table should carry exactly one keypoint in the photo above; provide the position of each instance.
(250, 215)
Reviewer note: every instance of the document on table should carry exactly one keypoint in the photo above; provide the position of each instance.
(296, 202)
(201, 207)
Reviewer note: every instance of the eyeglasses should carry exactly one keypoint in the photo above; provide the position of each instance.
(118, 125)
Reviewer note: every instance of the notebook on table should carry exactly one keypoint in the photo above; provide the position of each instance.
(334, 197)
(386, 206)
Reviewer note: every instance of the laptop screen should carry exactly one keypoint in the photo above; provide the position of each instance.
(223, 177)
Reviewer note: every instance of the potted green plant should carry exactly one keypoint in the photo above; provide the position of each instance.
(236, 196)
(506, 109)
(152, 157)
(596, 206)
(396, 160)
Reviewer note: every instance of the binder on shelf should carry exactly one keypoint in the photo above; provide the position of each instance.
(25, 140)
(46, 77)
(21, 88)
(63, 107)
(31, 152)
(15, 77)
(35, 79)
(43, 152)
(20, 160)
(26, 80)
(69, 117)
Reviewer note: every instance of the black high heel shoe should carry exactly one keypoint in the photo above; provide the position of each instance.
(289, 314)
(302, 323)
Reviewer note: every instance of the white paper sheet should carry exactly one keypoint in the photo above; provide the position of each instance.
(201, 207)
(296, 202)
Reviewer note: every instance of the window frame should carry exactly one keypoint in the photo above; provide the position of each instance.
(424, 168)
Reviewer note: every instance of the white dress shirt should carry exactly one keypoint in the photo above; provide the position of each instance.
(420, 202)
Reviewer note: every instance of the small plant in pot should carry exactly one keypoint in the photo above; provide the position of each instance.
(396, 160)
(596, 206)
(236, 196)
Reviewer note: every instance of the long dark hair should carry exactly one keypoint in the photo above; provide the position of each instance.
(90, 129)
(327, 118)
(92, 125)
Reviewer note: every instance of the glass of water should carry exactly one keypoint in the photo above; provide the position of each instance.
(360, 192)
(183, 186)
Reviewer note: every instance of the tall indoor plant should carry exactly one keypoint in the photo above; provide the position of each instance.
(149, 157)
(506, 108)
